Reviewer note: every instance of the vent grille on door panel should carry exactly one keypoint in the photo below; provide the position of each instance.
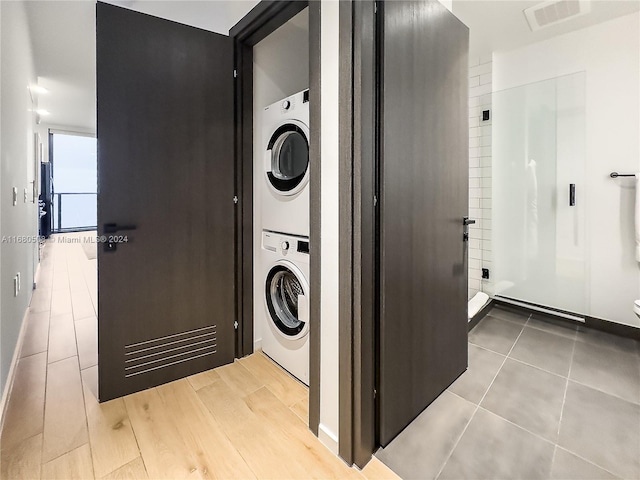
(556, 11)
(170, 350)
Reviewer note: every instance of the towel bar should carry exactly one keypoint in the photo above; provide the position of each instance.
(616, 174)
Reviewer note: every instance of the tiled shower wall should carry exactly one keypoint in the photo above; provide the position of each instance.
(480, 256)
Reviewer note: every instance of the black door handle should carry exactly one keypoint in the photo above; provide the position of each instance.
(114, 227)
(572, 194)
(111, 243)
(466, 222)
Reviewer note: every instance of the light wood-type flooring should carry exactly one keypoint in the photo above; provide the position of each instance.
(244, 420)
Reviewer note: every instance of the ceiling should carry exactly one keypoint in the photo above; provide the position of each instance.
(216, 16)
(500, 25)
(63, 39)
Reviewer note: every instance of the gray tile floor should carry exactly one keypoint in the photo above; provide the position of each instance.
(540, 399)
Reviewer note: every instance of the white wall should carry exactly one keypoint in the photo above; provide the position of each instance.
(281, 63)
(216, 16)
(280, 69)
(16, 170)
(448, 4)
(329, 224)
(609, 54)
(3, 395)
(480, 249)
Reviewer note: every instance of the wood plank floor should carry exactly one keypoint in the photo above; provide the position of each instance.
(244, 420)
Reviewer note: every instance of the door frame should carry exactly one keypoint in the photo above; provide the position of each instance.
(360, 89)
(358, 124)
(266, 17)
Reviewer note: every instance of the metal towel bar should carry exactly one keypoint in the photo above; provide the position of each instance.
(616, 174)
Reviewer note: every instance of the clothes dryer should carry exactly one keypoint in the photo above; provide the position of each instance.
(285, 146)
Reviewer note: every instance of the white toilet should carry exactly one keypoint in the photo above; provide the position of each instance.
(636, 308)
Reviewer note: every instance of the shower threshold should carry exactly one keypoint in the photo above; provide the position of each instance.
(539, 308)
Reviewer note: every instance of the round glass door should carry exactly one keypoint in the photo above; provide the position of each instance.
(283, 286)
(289, 159)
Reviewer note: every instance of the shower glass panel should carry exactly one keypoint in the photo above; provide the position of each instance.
(538, 182)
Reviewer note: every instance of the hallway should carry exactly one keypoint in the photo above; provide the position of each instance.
(244, 420)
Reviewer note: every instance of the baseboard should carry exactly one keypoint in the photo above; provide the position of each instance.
(620, 329)
(257, 345)
(473, 321)
(8, 387)
(36, 277)
(328, 438)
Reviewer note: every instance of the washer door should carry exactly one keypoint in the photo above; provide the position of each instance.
(287, 160)
(286, 294)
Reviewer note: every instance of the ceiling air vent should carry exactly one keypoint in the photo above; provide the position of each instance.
(556, 11)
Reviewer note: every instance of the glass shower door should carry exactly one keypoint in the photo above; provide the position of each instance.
(538, 182)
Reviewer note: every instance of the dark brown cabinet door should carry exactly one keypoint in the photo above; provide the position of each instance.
(424, 196)
(165, 190)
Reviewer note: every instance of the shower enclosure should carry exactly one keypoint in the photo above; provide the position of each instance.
(538, 184)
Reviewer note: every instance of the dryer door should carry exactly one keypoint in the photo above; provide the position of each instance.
(287, 161)
(286, 296)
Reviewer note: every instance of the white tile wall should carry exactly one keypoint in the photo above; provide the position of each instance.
(480, 255)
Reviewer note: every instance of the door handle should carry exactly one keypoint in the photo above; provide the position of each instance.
(110, 244)
(114, 227)
(465, 232)
(572, 194)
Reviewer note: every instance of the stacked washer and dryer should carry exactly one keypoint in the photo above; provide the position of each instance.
(284, 254)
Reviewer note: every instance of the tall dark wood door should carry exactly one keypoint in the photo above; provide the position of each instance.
(424, 196)
(165, 191)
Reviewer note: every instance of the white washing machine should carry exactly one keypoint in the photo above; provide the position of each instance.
(285, 329)
(285, 145)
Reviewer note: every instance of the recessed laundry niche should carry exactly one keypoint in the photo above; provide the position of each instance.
(280, 69)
